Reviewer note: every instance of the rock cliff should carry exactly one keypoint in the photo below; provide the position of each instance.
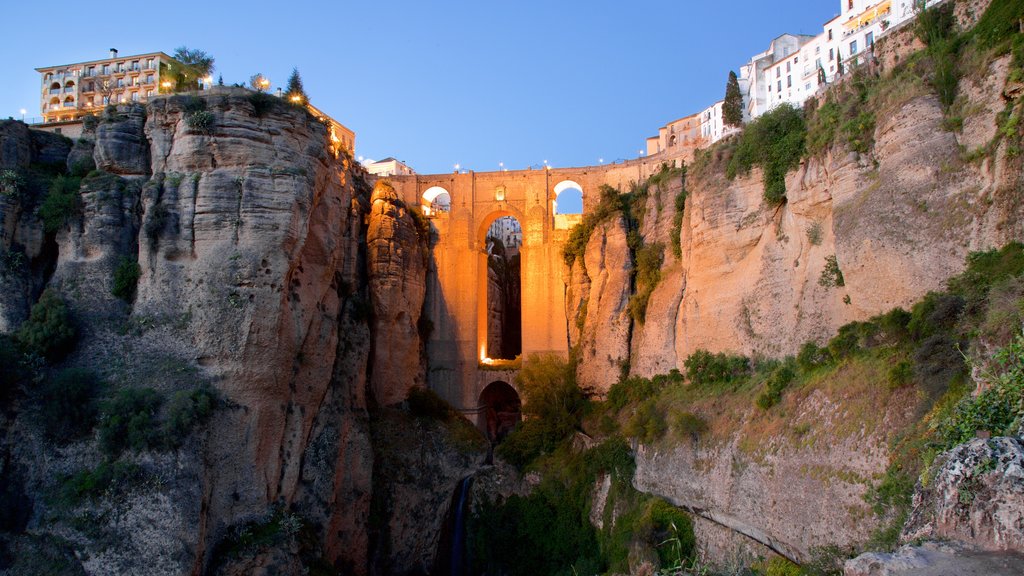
(267, 270)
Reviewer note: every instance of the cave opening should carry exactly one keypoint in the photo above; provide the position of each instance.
(504, 289)
(502, 409)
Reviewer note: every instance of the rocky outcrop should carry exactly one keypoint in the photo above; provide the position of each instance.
(251, 242)
(603, 281)
(976, 496)
(26, 254)
(121, 146)
(935, 559)
(792, 479)
(397, 275)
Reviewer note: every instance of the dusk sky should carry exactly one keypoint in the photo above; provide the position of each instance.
(439, 83)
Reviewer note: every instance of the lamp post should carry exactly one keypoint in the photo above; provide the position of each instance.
(23, 112)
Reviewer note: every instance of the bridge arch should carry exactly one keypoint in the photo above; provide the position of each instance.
(499, 286)
(568, 198)
(435, 200)
(501, 410)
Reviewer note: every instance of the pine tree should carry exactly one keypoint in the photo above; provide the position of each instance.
(732, 108)
(295, 92)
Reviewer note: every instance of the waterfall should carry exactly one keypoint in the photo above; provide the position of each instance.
(452, 554)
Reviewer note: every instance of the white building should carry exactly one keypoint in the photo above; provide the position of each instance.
(712, 124)
(765, 76)
(388, 167)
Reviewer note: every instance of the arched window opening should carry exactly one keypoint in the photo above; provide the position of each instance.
(504, 289)
(436, 200)
(568, 198)
(502, 410)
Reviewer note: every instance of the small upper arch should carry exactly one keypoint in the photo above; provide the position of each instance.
(435, 200)
(568, 198)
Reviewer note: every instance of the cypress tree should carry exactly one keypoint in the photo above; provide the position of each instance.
(732, 108)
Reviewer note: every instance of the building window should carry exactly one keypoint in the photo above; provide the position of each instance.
(807, 87)
(106, 69)
(789, 81)
(135, 96)
(869, 39)
(120, 82)
(853, 47)
(149, 79)
(817, 50)
(831, 54)
(830, 34)
(780, 88)
(149, 64)
(849, 4)
(135, 66)
(788, 68)
(149, 93)
(778, 72)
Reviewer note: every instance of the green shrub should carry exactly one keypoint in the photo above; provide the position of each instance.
(11, 184)
(822, 126)
(777, 566)
(126, 278)
(775, 141)
(812, 356)
(689, 425)
(936, 313)
(1000, 22)
(648, 273)
(647, 423)
(201, 121)
(776, 383)
(60, 203)
(703, 367)
(900, 375)
(186, 410)
(128, 420)
(633, 389)
(677, 222)
(156, 219)
(107, 477)
(984, 269)
(67, 404)
(998, 409)
(831, 275)
(552, 410)
(263, 103)
(49, 331)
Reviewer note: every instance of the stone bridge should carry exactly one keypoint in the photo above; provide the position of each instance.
(457, 280)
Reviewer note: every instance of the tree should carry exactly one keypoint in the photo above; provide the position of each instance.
(732, 108)
(295, 92)
(186, 69)
(220, 80)
(259, 82)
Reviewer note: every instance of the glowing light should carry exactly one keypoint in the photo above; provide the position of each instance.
(296, 98)
(457, 167)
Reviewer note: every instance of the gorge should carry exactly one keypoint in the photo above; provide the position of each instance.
(227, 349)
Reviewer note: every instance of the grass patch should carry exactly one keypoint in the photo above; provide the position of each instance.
(60, 204)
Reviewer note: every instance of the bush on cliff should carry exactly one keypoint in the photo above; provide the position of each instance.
(775, 142)
(703, 367)
(126, 278)
(129, 420)
(49, 331)
(552, 409)
(60, 204)
(67, 404)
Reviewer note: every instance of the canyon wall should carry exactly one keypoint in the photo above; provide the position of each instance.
(267, 270)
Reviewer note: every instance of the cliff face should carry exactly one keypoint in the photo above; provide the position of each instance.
(899, 221)
(258, 276)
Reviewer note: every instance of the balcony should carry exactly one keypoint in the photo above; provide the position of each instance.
(68, 105)
(69, 90)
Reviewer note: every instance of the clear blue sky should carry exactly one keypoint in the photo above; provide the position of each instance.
(439, 83)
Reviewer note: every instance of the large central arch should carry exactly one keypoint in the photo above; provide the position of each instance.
(483, 279)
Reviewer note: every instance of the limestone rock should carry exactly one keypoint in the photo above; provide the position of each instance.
(397, 278)
(49, 148)
(976, 496)
(604, 339)
(15, 145)
(121, 146)
(80, 159)
(935, 559)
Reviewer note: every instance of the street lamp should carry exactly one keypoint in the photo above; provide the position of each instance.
(23, 112)
(600, 160)
(501, 166)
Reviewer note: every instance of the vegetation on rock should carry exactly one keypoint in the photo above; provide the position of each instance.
(775, 142)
